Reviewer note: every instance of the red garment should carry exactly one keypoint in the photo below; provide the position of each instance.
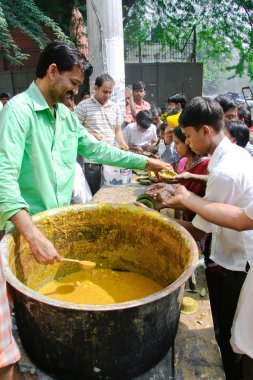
(197, 187)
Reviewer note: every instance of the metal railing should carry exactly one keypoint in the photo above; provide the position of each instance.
(149, 51)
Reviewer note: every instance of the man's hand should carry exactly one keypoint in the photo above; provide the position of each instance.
(168, 196)
(128, 93)
(97, 136)
(184, 175)
(124, 146)
(42, 249)
(156, 165)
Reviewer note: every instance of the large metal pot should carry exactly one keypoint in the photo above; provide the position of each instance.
(120, 341)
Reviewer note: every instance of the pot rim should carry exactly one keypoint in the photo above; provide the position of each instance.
(17, 284)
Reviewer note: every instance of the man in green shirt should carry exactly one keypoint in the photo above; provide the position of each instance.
(39, 142)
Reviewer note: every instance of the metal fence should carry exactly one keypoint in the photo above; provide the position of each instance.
(149, 51)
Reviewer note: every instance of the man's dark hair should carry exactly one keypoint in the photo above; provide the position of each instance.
(202, 111)
(144, 119)
(174, 111)
(103, 78)
(239, 131)
(163, 126)
(178, 98)
(85, 92)
(4, 95)
(138, 85)
(225, 102)
(65, 56)
(244, 114)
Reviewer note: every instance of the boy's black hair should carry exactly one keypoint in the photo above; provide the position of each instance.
(163, 126)
(225, 102)
(4, 95)
(239, 131)
(202, 111)
(138, 85)
(144, 119)
(65, 56)
(103, 78)
(174, 111)
(178, 98)
(243, 111)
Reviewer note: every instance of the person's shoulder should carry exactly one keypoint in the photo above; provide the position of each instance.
(147, 105)
(20, 105)
(131, 126)
(84, 103)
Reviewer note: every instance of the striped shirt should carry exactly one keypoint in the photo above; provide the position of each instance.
(98, 118)
(9, 353)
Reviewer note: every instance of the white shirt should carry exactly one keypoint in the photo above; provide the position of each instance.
(230, 181)
(133, 136)
(242, 331)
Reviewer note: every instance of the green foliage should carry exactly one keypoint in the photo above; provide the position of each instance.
(60, 11)
(25, 15)
(222, 27)
(215, 75)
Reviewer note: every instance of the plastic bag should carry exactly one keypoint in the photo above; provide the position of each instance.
(81, 191)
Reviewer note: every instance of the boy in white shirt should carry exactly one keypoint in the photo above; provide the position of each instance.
(238, 219)
(230, 181)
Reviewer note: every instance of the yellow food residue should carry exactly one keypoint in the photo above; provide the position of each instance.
(100, 287)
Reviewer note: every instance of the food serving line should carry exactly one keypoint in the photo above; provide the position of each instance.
(194, 354)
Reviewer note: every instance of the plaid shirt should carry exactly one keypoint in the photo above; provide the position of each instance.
(9, 353)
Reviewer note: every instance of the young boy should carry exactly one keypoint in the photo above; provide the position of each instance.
(135, 101)
(230, 181)
(238, 219)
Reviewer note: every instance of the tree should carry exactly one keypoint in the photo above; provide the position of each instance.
(222, 26)
(25, 15)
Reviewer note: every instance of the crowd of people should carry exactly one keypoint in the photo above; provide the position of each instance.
(51, 150)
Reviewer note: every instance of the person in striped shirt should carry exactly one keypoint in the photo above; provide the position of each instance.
(101, 117)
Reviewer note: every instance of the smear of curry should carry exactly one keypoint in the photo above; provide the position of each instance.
(100, 287)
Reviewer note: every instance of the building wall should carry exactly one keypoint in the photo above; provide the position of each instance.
(166, 79)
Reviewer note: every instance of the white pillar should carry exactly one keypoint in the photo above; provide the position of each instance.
(106, 44)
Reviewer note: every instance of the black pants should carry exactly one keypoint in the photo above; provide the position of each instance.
(224, 289)
(247, 365)
(93, 174)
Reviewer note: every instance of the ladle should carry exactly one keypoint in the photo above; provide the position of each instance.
(85, 264)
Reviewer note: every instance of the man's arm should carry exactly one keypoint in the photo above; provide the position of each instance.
(100, 152)
(195, 232)
(218, 213)
(130, 100)
(188, 175)
(119, 136)
(42, 249)
(13, 132)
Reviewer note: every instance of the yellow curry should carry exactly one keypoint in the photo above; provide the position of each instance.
(100, 287)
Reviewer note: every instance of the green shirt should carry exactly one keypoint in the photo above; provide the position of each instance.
(38, 154)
